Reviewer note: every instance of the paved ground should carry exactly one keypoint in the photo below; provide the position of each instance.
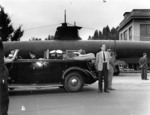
(131, 97)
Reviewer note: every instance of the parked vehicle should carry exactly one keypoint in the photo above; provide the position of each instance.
(69, 73)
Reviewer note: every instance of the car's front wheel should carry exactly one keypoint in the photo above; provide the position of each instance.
(73, 82)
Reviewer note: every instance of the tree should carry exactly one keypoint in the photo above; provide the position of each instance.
(17, 34)
(106, 34)
(100, 35)
(35, 39)
(114, 34)
(90, 38)
(96, 35)
(7, 31)
(6, 28)
(49, 37)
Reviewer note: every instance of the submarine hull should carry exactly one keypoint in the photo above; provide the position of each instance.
(125, 50)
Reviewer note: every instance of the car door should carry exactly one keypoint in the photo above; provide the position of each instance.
(27, 71)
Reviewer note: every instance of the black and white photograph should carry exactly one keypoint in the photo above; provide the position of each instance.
(74, 57)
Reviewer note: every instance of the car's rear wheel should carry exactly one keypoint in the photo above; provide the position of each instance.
(73, 82)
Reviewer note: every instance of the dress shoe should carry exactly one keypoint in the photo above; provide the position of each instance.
(106, 91)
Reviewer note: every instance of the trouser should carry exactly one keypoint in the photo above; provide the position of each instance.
(4, 100)
(103, 74)
(143, 73)
(110, 77)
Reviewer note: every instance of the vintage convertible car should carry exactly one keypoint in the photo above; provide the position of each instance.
(67, 73)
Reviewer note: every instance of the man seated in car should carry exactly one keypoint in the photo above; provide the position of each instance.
(12, 56)
(79, 52)
(32, 55)
(81, 55)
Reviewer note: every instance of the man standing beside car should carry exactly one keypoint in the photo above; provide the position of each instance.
(102, 66)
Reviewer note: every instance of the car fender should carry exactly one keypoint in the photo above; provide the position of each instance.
(74, 69)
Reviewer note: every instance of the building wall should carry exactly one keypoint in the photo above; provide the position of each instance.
(136, 28)
(135, 24)
(126, 29)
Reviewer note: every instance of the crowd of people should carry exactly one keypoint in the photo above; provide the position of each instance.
(105, 66)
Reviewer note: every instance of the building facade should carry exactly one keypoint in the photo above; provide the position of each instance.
(135, 25)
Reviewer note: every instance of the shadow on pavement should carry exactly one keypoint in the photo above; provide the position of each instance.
(36, 91)
(46, 91)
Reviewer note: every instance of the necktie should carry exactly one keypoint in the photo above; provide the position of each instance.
(104, 56)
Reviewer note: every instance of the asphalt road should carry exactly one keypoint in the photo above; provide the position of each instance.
(131, 97)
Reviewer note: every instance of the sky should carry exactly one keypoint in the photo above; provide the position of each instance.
(40, 18)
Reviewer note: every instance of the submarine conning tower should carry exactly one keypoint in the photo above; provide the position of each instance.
(66, 32)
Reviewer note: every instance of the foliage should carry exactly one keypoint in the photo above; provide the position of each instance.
(35, 39)
(17, 34)
(7, 31)
(50, 37)
(106, 34)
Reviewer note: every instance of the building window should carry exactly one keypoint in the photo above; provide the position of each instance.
(130, 33)
(145, 32)
(125, 35)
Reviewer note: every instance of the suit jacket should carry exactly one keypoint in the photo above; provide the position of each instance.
(143, 62)
(99, 60)
(3, 68)
(111, 65)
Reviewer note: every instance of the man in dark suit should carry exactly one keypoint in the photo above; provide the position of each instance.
(4, 99)
(143, 66)
(102, 66)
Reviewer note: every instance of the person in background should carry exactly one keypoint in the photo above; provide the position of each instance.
(111, 69)
(11, 56)
(81, 51)
(32, 55)
(4, 99)
(143, 66)
(102, 66)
